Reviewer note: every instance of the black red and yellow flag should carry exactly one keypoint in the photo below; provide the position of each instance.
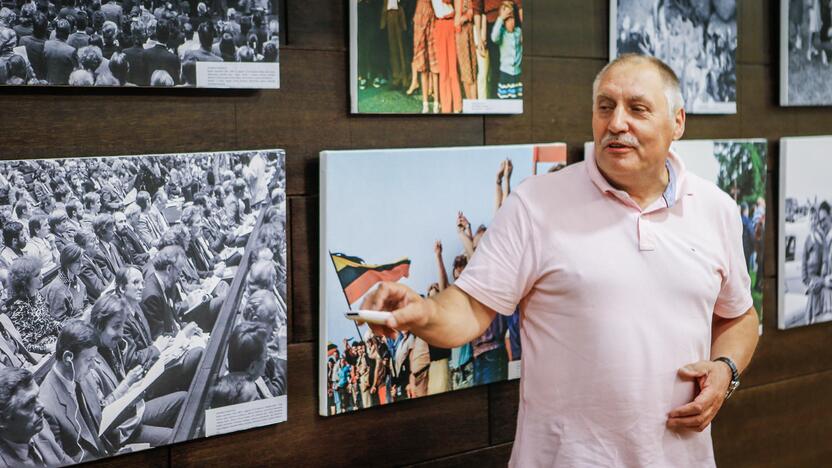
(357, 277)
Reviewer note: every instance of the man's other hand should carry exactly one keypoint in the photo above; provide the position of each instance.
(713, 379)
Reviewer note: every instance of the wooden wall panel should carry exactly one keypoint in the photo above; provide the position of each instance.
(494, 456)
(503, 401)
(758, 29)
(782, 424)
(96, 122)
(303, 117)
(157, 458)
(304, 247)
(777, 419)
(571, 28)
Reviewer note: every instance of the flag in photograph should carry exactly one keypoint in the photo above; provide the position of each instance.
(357, 277)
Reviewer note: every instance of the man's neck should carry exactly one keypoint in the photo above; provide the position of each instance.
(65, 373)
(643, 190)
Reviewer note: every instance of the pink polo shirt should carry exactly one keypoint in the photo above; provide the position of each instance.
(614, 300)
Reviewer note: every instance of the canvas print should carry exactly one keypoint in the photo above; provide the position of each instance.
(143, 302)
(127, 43)
(737, 167)
(436, 56)
(804, 266)
(698, 39)
(415, 218)
(805, 53)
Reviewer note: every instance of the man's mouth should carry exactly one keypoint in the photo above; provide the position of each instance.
(617, 145)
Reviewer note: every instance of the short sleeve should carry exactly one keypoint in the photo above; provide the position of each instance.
(735, 294)
(504, 267)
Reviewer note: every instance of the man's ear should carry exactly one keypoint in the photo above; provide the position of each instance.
(679, 124)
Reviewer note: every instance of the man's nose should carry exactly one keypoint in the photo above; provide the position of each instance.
(619, 121)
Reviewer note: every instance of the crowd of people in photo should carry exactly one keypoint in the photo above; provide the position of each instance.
(375, 370)
(697, 39)
(114, 267)
(448, 48)
(130, 42)
(810, 29)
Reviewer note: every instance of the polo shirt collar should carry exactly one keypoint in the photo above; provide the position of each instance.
(677, 186)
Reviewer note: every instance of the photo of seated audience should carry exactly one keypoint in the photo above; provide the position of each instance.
(139, 293)
(130, 43)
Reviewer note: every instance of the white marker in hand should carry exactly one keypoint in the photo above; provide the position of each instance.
(375, 317)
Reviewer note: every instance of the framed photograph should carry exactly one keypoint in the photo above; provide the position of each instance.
(737, 167)
(805, 53)
(145, 296)
(698, 40)
(415, 218)
(126, 43)
(436, 56)
(804, 279)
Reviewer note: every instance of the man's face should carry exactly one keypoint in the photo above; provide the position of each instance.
(113, 332)
(196, 227)
(26, 415)
(134, 219)
(83, 362)
(60, 227)
(174, 271)
(631, 123)
(107, 232)
(121, 221)
(824, 220)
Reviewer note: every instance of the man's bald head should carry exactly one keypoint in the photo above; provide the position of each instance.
(672, 91)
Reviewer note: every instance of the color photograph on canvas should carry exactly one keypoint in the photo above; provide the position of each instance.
(698, 40)
(144, 302)
(804, 265)
(436, 56)
(415, 218)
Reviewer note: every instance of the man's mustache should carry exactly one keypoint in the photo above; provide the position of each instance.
(623, 139)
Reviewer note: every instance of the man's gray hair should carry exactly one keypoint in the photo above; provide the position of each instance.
(672, 90)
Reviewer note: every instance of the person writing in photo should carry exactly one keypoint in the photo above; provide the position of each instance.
(629, 271)
(149, 420)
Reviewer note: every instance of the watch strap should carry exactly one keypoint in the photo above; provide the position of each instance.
(735, 375)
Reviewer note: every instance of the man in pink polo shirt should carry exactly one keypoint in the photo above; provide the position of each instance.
(636, 312)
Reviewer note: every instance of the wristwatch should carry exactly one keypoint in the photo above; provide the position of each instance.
(735, 375)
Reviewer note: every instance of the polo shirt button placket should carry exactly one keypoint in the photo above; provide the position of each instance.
(646, 236)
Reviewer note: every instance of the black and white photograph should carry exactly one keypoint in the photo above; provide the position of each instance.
(696, 38)
(143, 302)
(145, 43)
(805, 245)
(805, 53)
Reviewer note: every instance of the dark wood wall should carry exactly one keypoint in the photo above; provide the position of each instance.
(780, 417)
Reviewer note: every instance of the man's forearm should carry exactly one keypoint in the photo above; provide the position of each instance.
(454, 318)
(736, 338)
